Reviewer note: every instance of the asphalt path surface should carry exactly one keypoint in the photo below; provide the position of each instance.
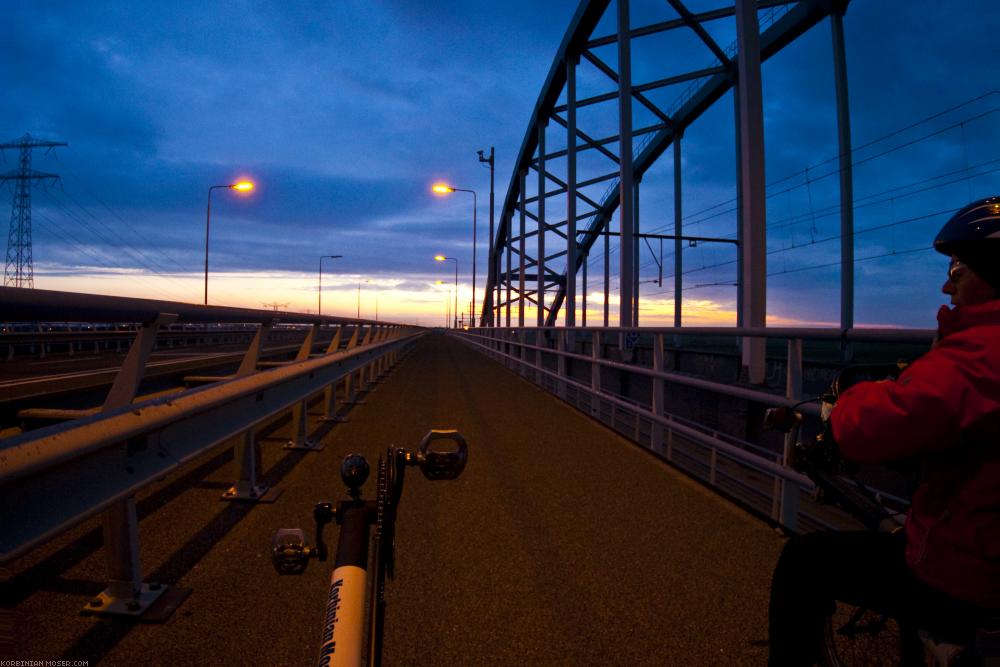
(561, 544)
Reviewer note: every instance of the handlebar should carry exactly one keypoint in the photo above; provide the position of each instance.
(820, 458)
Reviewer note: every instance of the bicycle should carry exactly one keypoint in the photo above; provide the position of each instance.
(855, 635)
(344, 626)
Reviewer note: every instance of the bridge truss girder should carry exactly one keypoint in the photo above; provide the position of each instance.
(526, 239)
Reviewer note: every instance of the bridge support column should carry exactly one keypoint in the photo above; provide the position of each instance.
(607, 276)
(751, 132)
(542, 227)
(510, 228)
(846, 177)
(626, 211)
(569, 307)
(521, 301)
(678, 248)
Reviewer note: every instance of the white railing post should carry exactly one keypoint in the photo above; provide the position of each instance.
(539, 343)
(595, 373)
(522, 337)
(561, 365)
(656, 428)
(788, 510)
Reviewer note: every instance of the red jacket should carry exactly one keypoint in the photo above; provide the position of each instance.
(945, 409)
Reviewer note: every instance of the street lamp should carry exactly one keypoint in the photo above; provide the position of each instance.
(319, 297)
(240, 186)
(359, 298)
(491, 276)
(443, 189)
(441, 258)
(447, 303)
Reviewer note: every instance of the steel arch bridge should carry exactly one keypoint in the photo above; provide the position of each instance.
(586, 170)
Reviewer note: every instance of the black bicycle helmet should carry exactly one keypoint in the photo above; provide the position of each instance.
(973, 235)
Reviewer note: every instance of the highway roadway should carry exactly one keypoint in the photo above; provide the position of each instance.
(561, 544)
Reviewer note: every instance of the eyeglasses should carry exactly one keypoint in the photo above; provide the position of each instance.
(956, 269)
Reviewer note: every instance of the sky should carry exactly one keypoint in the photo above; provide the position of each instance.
(345, 113)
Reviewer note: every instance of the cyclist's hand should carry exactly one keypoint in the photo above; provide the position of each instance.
(825, 409)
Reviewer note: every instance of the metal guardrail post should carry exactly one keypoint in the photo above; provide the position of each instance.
(252, 357)
(656, 429)
(350, 391)
(300, 413)
(126, 594)
(561, 365)
(300, 422)
(246, 487)
(307, 345)
(330, 392)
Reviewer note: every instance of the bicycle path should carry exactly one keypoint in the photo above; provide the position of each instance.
(561, 544)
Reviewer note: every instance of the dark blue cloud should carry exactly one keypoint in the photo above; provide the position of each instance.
(344, 113)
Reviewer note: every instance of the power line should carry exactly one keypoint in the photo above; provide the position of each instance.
(136, 254)
(90, 251)
(138, 235)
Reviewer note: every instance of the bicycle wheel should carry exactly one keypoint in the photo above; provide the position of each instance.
(854, 637)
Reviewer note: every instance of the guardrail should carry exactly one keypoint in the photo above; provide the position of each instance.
(55, 477)
(756, 476)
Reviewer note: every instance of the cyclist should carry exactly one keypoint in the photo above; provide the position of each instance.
(942, 571)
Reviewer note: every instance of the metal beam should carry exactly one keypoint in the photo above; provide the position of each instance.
(106, 458)
(846, 171)
(626, 199)
(754, 246)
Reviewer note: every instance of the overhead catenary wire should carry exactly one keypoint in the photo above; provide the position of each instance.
(695, 217)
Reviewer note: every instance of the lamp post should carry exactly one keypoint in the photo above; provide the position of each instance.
(319, 297)
(241, 186)
(491, 271)
(447, 303)
(441, 258)
(359, 297)
(443, 189)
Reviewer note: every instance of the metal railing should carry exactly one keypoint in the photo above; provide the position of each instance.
(755, 475)
(55, 477)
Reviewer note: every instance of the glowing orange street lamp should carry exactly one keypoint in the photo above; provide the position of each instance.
(443, 189)
(441, 258)
(240, 186)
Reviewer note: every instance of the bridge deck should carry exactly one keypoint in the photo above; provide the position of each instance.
(561, 544)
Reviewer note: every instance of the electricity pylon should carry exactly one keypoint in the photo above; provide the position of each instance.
(276, 306)
(18, 271)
